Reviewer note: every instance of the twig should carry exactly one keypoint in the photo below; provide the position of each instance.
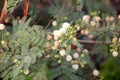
(51, 3)
(49, 24)
(94, 42)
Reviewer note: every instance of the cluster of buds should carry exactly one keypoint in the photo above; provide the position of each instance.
(114, 47)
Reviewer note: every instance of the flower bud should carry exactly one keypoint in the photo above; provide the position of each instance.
(82, 32)
(75, 55)
(62, 52)
(26, 71)
(75, 66)
(2, 26)
(49, 37)
(115, 53)
(95, 72)
(86, 18)
(4, 43)
(78, 50)
(68, 58)
(87, 32)
(112, 19)
(92, 23)
(54, 23)
(90, 36)
(107, 19)
(96, 18)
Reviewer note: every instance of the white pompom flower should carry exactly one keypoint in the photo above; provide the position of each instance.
(54, 23)
(62, 30)
(96, 18)
(57, 33)
(115, 53)
(75, 55)
(119, 40)
(86, 18)
(62, 52)
(95, 72)
(75, 66)
(26, 71)
(68, 58)
(2, 26)
(92, 23)
(65, 25)
(85, 50)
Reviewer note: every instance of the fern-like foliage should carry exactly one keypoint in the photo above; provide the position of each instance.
(26, 57)
(12, 4)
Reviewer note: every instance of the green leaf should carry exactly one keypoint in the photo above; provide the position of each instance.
(72, 76)
(53, 73)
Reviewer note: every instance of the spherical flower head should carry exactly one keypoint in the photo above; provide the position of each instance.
(75, 66)
(92, 23)
(62, 30)
(54, 23)
(62, 52)
(78, 50)
(95, 72)
(85, 50)
(115, 53)
(119, 16)
(68, 58)
(90, 36)
(49, 37)
(2, 26)
(15, 60)
(76, 55)
(96, 18)
(86, 32)
(112, 18)
(82, 32)
(57, 33)
(26, 71)
(56, 37)
(56, 43)
(4, 43)
(114, 40)
(86, 18)
(107, 19)
(65, 25)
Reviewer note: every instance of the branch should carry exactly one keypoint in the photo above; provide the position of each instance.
(95, 42)
(4, 11)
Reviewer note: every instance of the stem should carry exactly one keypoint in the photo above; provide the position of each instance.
(2, 36)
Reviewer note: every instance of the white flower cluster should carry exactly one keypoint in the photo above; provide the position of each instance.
(58, 33)
(69, 58)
